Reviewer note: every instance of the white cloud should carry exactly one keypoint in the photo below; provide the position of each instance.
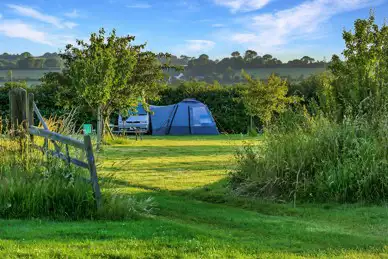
(32, 13)
(140, 6)
(72, 14)
(194, 47)
(266, 32)
(199, 45)
(17, 29)
(242, 5)
(218, 25)
(70, 25)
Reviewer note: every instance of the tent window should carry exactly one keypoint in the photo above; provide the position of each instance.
(200, 116)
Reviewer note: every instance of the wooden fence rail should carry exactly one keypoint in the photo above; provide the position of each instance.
(22, 111)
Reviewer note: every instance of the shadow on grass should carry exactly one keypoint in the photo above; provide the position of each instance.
(173, 168)
(181, 220)
(120, 152)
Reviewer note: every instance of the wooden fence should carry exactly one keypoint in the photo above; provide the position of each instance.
(22, 110)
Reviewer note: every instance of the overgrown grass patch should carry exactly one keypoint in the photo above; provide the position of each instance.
(35, 185)
(320, 161)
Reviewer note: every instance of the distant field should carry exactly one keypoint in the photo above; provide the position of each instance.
(294, 72)
(31, 76)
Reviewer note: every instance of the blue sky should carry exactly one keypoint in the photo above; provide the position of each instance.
(287, 29)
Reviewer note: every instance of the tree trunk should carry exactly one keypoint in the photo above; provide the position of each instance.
(107, 128)
(100, 127)
(251, 127)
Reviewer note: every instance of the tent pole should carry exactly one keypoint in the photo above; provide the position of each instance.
(172, 119)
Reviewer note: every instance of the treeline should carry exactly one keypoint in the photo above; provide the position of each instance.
(203, 65)
(25, 60)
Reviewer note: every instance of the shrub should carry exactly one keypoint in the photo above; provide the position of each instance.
(319, 161)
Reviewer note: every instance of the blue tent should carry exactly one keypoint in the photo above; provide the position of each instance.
(189, 117)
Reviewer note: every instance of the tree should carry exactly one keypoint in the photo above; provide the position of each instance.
(307, 60)
(360, 84)
(266, 58)
(26, 55)
(235, 54)
(110, 73)
(250, 55)
(265, 100)
(203, 57)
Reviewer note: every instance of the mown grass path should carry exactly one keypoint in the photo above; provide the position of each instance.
(195, 216)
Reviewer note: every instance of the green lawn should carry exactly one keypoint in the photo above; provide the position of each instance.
(194, 215)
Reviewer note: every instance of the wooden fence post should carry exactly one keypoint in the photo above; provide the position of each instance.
(92, 170)
(18, 108)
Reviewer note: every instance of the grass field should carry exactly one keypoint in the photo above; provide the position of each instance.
(195, 216)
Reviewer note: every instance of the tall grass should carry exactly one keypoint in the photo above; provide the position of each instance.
(35, 185)
(314, 159)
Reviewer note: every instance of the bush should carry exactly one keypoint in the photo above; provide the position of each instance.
(316, 161)
(339, 153)
(35, 186)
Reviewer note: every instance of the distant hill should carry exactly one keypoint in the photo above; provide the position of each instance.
(26, 61)
(227, 70)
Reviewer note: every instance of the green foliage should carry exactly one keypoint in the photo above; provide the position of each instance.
(360, 86)
(311, 88)
(110, 72)
(100, 69)
(339, 153)
(318, 161)
(265, 100)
